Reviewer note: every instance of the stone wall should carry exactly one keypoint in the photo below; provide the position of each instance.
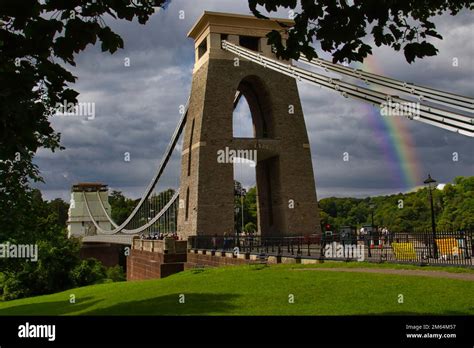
(208, 258)
(211, 258)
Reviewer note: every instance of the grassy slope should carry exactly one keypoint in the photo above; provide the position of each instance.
(254, 290)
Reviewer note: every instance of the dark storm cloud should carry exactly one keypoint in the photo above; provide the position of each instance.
(137, 110)
(336, 125)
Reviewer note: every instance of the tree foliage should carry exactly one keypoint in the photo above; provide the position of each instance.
(342, 27)
(249, 201)
(38, 41)
(121, 206)
(58, 266)
(454, 209)
(87, 272)
(57, 254)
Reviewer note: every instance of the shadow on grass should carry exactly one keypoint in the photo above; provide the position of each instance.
(406, 313)
(50, 308)
(194, 304)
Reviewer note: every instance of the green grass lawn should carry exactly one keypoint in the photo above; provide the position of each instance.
(335, 264)
(256, 290)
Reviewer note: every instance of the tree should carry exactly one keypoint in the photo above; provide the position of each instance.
(249, 206)
(35, 36)
(58, 266)
(57, 256)
(458, 204)
(341, 27)
(121, 206)
(454, 209)
(61, 208)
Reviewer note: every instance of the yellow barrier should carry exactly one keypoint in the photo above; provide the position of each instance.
(404, 251)
(448, 246)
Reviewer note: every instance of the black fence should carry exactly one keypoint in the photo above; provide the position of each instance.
(446, 248)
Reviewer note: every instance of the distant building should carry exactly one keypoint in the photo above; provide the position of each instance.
(79, 222)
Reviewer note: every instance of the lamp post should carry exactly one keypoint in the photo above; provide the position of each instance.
(243, 192)
(431, 182)
(237, 192)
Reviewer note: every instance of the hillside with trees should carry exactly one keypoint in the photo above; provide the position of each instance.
(453, 206)
(402, 212)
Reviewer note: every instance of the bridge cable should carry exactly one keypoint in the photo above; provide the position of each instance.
(448, 120)
(135, 230)
(163, 163)
(423, 93)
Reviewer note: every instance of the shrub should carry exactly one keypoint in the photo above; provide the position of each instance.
(87, 272)
(116, 274)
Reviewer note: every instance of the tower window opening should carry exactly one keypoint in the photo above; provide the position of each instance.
(202, 48)
(250, 42)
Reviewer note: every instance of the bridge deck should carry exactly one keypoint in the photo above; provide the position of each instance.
(115, 239)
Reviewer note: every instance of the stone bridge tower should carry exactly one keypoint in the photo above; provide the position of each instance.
(287, 203)
(79, 222)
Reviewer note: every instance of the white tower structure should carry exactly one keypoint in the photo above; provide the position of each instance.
(79, 222)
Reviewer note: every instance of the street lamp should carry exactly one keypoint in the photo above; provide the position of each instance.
(243, 192)
(431, 184)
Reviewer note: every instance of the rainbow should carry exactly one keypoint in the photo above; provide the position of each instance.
(394, 139)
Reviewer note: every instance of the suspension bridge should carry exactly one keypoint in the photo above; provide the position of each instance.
(233, 60)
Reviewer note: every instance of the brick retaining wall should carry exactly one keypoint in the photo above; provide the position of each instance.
(142, 264)
(150, 259)
(145, 264)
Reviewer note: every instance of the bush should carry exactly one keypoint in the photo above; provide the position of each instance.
(12, 289)
(2, 282)
(90, 271)
(116, 274)
(250, 227)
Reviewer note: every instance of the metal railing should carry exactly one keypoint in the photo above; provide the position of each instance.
(447, 248)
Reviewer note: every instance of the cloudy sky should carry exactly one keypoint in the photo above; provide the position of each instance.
(137, 109)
